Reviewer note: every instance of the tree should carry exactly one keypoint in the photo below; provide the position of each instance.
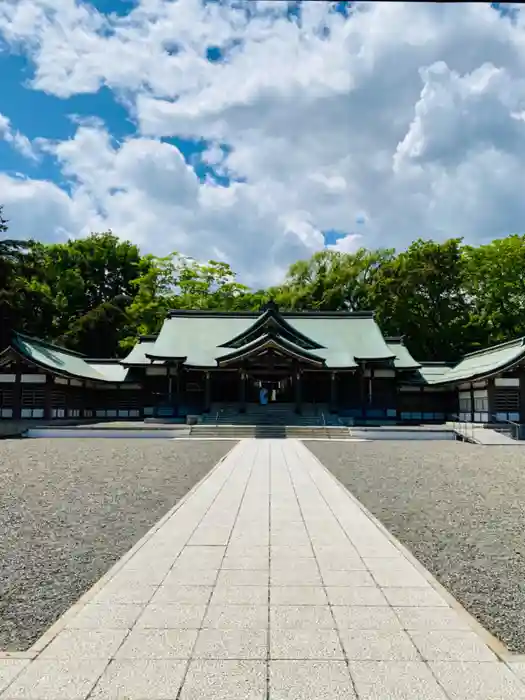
(332, 281)
(495, 283)
(98, 332)
(83, 274)
(420, 293)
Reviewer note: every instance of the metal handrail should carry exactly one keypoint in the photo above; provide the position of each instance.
(323, 419)
(217, 417)
(516, 428)
(457, 424)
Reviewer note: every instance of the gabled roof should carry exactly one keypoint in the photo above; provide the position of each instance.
(484, 363)
(339, 338)
(137, 357)
(270, 341)
(403, 359)
(272, 321)
(66, 362)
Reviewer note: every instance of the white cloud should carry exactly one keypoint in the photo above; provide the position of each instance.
(404, 120)
(17, 140)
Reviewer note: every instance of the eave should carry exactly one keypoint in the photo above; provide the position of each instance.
(268, 342)
(264, 319)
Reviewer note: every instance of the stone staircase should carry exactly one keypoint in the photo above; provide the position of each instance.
(272, 414)
(300, 432)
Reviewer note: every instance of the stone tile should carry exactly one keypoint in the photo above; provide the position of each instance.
(517, 667)
(158, 644)
(305, 567)
(175, 615)
(452, 645)
(211, 536)
(201, 557)
(232, 577)
(180, 593)
(294, 577)
(362, 595)
(225, 680)
(366, 617)
(231, 644)
(106, 616)
(244, 550)
(378, 645)
(85, 644)
(395, 572)
(427, 618)
(141, 577)
(9, 669)
(478, 681)
(236, 617)
(279, 551)
(310, 680)
(297, 595)
(301, 617)
(305, 644)
(191, 577)
(240, 595)
(354, 579)
(414, 597)
(336, 563)
(137, 679)
(246, 562)
(56, 679)
(125, 594)
(395, 680)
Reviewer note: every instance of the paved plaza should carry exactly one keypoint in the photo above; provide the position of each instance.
(268, 581)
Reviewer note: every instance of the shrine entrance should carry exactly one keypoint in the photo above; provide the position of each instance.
(280, 388)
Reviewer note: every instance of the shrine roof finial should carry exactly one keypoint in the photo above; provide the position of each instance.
(270, 305)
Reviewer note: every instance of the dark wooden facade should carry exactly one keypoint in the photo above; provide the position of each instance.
(368, 395)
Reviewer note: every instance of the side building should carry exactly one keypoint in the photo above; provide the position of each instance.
(331, 364)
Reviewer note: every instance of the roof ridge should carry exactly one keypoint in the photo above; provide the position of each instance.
(211, 313)
(499, 346)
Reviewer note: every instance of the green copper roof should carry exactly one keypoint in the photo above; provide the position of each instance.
(137, 356)
(111, 371)
(200, 337)
(59, 359)
(267, 341)
(484, 362)
(273, 322)
(403, 359)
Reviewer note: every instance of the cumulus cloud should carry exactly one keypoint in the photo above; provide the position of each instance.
(397, 121)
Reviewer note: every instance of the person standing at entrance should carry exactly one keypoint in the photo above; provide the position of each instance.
(263, 396)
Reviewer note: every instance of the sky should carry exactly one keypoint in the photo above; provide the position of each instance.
(260, 132)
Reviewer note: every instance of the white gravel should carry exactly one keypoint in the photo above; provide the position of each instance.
(70, 508)
(459, 508)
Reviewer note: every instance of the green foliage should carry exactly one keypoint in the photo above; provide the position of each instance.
(98, 294)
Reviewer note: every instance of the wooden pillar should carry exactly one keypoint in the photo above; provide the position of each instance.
(17, 394)
(333, 392)
(242, 391)
(471, 403)
(47, 397)
(298, 392)
(207, 392)
(491, 392)
(362, 390)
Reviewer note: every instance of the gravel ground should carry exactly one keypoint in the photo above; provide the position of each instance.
(459, 508)
(70, 508)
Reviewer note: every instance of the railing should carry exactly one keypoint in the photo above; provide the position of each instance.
(517, 430)
(463, 428)
(217, 416)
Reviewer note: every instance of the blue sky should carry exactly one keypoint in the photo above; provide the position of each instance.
(274, 129)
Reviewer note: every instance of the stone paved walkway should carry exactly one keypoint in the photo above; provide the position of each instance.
(269, 582)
